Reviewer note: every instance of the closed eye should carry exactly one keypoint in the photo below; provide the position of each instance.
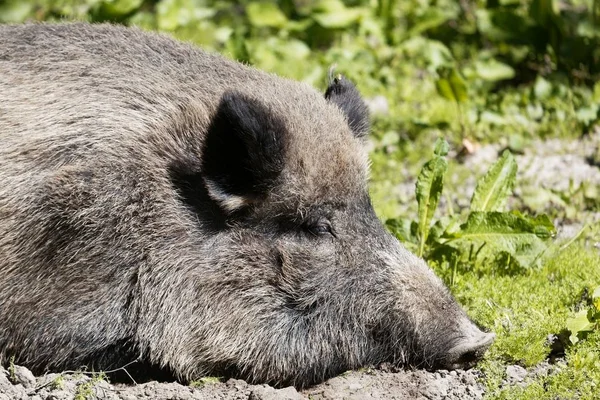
(321, 228)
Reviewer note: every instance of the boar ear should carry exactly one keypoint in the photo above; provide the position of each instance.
(243, 152)
(345, 95)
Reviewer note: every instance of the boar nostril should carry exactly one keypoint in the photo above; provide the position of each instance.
(469, 358)
(466, 354)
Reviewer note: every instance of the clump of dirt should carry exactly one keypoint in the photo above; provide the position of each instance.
(406, 384)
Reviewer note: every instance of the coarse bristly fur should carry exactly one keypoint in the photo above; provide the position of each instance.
(165, 204)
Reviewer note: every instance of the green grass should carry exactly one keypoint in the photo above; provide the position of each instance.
(523, 310)
(205, 381)
(578, 379)
(87, 390)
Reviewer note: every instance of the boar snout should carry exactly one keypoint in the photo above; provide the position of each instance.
(435, 328)
(469, 350)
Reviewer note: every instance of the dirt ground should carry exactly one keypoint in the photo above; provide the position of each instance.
(20, 384)
(551, 164)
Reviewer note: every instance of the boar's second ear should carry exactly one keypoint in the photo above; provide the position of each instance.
(243, 152)
(345, 95)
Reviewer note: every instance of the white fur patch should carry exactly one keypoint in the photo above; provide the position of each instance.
(229, 202)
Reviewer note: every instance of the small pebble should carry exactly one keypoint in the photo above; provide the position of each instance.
(515, 373)
(23, 376)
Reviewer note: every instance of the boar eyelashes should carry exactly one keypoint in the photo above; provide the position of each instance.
(320, 228)
(316, 226)
(243, 152)
(344, 94)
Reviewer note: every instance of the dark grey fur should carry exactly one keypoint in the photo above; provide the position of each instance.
(164, 203)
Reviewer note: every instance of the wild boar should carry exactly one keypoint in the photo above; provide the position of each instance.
(165, 204)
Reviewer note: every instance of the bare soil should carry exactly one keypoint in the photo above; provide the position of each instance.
(372, 384)
(18, 383)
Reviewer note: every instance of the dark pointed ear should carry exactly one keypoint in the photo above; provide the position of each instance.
(243, 152)
(343, 93)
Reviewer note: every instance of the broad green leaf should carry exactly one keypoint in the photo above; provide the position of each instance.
(579, 323)
(444, 89)
(15, 10)
(403, 229)
(459, 86)
(587, 114)
(431, 18)
(118, 8)
(263, 15)
(294, 49)
(493, 118)
(168, 15)
(493, 70)
(143, 19)
(596, 299)
(516, 143)
(451, 85)
(223, 33)
(500, 24)
(493, 233)
(328, 6)
(428, 190)
(588, 29)
(436, 54)
(441, 147)
(338, 20)
(334, 14)
(299, 26)
(172, 14)
(542, 89)
(596, 96)
(493, 189)
(441, 226)
(304, 8)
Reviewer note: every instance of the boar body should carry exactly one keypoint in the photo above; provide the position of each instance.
(164, 204)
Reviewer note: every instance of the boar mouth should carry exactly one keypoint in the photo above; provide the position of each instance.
(468, 352)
